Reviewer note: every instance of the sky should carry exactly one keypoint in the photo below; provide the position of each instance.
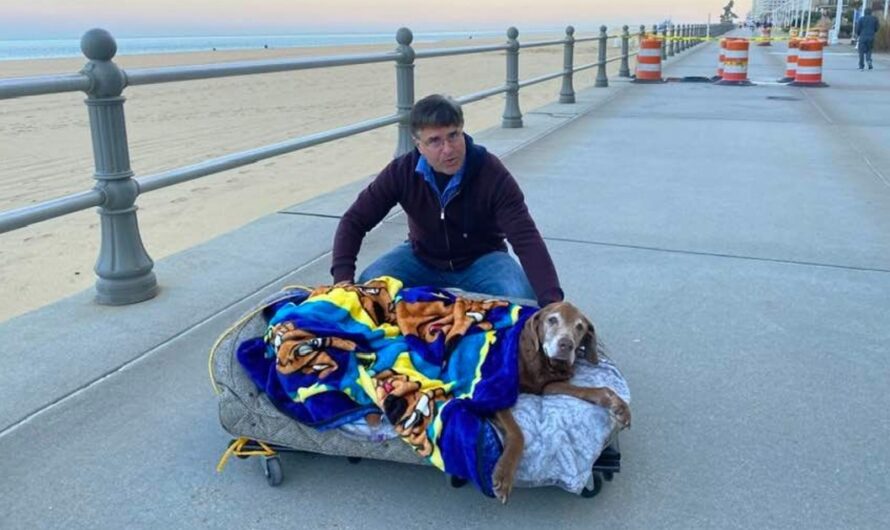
(35, 19)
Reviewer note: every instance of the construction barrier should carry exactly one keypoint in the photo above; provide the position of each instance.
(791, 61)
(809, 65)
(735, 63)
(649, 61)
(721, 56)
(765, 36)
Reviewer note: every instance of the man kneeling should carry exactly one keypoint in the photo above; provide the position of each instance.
(461, 202)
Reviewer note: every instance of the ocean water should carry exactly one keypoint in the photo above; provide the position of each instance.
(48, 48)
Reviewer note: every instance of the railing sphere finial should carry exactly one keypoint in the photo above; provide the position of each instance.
(512, 32)
(98, 45)
(404, 36)
(570, 30)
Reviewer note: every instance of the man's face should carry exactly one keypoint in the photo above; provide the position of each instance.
(443, 147)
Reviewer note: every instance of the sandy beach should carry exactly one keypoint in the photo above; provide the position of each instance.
(46, 151)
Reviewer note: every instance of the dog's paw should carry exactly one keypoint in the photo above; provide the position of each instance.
(502, 482)
(622, 412)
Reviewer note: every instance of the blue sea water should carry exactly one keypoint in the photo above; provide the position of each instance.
(48, 48)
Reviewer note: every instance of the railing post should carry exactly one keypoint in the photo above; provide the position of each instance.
(671, 41)
(512, 116)
(655, 32)
(685, 32)
(664, 43)
(567, 93)
(601, 79)
(404, 89)
(624, 69)
(123, 266)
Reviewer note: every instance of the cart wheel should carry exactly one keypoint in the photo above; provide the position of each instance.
(588, 493)
(608, 475)
(455, 481)
(354, 459)
(272, 469)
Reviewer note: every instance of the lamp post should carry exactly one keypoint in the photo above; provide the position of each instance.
(809, 11)
(837, 21)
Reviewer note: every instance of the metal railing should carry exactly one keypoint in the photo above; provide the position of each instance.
(123, 267)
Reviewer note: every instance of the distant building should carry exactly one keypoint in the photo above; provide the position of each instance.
(763, 9)
(768, 9)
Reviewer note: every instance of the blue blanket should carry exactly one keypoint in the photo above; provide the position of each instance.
(435, 365)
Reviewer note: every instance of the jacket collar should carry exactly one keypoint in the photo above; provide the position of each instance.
(472, 162)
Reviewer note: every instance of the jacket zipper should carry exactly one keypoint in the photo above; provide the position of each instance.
(445, 229)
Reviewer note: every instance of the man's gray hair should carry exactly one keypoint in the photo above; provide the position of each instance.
(435, 110)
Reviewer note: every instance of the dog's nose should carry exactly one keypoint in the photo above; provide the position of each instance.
(565, 345)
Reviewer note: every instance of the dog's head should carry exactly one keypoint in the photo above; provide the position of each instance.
(563, 333)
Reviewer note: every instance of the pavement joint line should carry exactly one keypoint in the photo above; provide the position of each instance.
(310, 214)
(553, 128)
(560, 115)
(144, 355)
(718, 255)
(680, 117)
(843, 133)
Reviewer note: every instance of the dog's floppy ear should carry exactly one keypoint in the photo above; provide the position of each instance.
(588, 342)
(530, 340)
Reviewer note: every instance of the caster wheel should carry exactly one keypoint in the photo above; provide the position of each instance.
(354, 459)
(455, 482)
(587, 492)
(272, 469)
(608, 475)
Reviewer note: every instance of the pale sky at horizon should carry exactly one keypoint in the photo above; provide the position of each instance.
(36, 19)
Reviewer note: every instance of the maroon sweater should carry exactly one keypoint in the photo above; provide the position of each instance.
(488, 207)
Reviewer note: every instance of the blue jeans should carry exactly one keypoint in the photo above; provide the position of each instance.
(865, 47)
(495, 273)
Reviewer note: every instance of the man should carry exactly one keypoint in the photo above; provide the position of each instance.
(865, 30)
(461, 202)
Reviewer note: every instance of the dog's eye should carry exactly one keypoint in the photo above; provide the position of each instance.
(579, 326)
(552, 320)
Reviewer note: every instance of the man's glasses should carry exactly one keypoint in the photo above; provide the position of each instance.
(438, 142)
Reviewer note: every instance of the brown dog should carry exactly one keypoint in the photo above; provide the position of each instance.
(550, 342)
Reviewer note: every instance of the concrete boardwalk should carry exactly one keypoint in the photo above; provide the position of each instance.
(731, 243)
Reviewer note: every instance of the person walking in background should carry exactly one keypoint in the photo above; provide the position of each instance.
(865, 30)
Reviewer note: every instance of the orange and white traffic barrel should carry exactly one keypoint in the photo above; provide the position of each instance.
(765, 35)
(791, 61)
(809, 65)
(720, 58)
(735, 63)
(823, 36)
(649, 61)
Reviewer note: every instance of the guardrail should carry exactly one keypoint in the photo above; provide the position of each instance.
(123, 267)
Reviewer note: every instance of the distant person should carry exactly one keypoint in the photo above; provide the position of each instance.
(865, 30)
(461, 204)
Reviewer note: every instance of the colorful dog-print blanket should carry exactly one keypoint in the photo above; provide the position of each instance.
(436, 366)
